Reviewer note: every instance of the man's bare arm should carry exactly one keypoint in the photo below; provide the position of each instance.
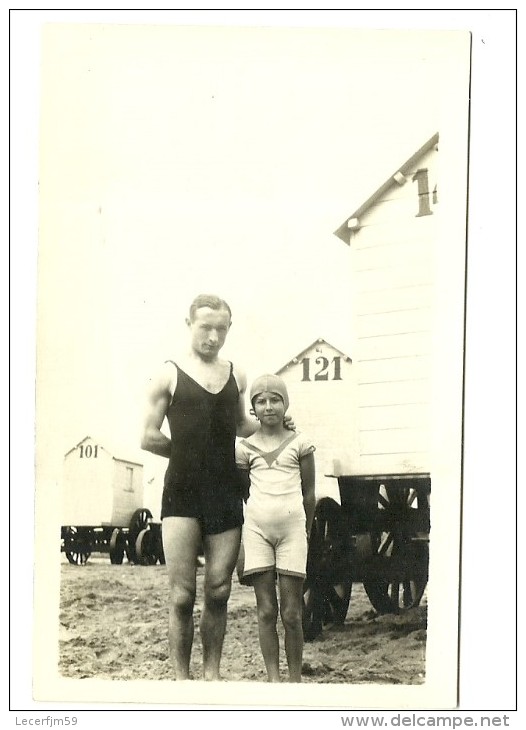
(157, 402)
(245, 425)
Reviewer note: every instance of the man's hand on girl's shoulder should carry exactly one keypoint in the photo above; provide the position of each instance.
(288, 422)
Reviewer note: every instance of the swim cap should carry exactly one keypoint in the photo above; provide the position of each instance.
(269, 384)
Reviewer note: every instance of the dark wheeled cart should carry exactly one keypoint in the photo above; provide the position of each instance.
(140, 542)
(378, 536)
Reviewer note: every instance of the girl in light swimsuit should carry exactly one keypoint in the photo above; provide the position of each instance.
(277, 467)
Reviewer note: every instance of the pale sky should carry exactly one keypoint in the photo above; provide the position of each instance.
(176, 161)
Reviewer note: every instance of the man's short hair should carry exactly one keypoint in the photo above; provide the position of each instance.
(208, 300)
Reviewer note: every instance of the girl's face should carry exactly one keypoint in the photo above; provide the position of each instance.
(269, 408)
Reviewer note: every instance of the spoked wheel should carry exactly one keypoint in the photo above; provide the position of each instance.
(394, 596)
(400, 548)
(327, 587)
(322, 607)
(140, 520)
(76, 546)
(117, 546)
(147, 547)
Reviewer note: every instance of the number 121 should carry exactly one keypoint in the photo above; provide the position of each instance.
(323, 371)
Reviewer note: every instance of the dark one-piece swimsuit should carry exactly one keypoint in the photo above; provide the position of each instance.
(202, 480)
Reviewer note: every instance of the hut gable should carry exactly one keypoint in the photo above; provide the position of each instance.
(320, 383)
(84, 443)
(95, 444)
(410, 170)
(317, 354)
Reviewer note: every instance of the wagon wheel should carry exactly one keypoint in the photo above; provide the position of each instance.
(117, 546)
(146, 547)
(76, 546)
(327, 587)
(394, 596)
(139, 521)
(400, 545)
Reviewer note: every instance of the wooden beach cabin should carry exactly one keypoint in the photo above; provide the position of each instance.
(98, 487)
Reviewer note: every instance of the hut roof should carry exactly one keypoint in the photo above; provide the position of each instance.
(107, 450)
(398, 175)
(316, 342)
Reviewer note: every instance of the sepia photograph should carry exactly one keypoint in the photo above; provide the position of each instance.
(250, 362)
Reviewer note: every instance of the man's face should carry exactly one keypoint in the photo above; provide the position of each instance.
(208, 331)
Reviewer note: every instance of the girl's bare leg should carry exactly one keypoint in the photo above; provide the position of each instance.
(291, 602)
(267, 608)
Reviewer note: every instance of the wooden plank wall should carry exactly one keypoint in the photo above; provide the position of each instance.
(392, 278)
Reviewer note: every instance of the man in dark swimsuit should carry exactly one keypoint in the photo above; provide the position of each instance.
(203, 399)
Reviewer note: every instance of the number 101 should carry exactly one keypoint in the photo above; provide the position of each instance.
(88, 451)
(325, 368)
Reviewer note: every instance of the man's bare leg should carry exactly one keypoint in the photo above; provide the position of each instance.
(221, 553)
(181, 544)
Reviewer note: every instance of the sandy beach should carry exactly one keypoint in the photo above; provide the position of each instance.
(113, 626)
